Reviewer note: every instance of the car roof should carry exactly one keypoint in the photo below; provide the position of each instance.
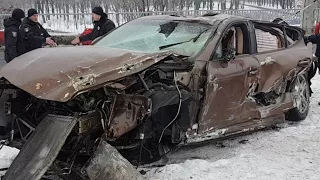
(209, 19)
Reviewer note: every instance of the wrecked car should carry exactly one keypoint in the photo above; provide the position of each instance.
(150, 86)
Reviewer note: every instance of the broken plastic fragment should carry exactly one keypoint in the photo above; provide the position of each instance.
(79, 83)
(268, 60)
(66, 95)
(195, 126)
(38, 86)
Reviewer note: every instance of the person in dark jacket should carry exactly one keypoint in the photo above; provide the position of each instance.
(314, 39)
(12, 39)
(102, 25)
(33, 34)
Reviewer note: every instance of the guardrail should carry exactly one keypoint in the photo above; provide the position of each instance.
(77, 22)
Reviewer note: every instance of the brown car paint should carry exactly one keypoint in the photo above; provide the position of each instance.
(60, 74)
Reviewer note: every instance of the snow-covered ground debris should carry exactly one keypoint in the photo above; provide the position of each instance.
(7, 155)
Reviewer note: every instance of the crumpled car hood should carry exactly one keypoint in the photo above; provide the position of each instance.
(58, 74)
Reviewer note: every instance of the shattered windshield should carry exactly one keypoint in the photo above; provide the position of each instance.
(145, 35)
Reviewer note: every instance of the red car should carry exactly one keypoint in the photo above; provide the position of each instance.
(1, 37)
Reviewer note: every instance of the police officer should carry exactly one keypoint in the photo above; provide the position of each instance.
(32, 32)
(102, 25)
(13, 43)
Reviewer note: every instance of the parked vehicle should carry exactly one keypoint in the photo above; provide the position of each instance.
(1, 37)
(152, 85)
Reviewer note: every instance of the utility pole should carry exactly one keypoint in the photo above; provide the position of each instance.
(307, 16)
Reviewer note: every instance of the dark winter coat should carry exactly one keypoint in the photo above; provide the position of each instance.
(12, 39)
(33, 34)
(100, 28)
(315, 39)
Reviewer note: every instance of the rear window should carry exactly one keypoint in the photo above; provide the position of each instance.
(266, 41)
(292, 35)
(271, 38)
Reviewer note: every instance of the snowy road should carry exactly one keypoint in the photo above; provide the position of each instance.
(290, 153)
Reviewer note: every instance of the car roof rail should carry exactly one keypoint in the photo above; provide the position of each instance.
(210, 14)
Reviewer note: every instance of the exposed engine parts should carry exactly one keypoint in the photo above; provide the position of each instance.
(266, 99)
(135, 115)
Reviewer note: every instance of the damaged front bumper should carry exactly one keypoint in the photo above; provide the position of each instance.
(41, 149)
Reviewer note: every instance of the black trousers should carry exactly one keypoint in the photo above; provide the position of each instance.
(312, 72)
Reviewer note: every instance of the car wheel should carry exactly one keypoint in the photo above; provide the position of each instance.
(300, 93)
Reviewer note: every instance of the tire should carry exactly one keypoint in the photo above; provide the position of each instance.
(300, 92)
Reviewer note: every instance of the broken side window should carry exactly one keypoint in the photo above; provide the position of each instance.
(236, 39)
(269, 38)
(292, 36)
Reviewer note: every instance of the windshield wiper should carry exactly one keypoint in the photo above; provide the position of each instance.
(194, 39)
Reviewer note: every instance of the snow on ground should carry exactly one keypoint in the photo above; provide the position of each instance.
(7, 155)
(289, 153)
(63, 34)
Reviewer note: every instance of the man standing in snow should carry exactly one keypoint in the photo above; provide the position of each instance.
(102, 25)
(12, 39)
(314, 39)
(33, 34)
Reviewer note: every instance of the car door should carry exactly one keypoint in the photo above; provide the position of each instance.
(279, 53)
(275, 54)
(230, 82)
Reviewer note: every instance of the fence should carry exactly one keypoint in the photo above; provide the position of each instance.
(76, 23)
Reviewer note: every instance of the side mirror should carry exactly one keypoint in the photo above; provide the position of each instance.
(228, 54)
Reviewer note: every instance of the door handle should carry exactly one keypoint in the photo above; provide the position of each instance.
(253, 72)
